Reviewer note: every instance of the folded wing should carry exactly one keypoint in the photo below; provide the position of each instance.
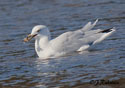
(80, 39)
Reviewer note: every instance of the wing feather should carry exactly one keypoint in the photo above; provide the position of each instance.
(89, 26)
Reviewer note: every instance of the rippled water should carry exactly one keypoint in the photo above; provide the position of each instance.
(19, 66)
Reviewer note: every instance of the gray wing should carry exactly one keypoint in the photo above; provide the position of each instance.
(75, 40)
(69, 41)
(72, 41)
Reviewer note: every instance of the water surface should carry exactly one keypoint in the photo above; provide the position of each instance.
(19, 66)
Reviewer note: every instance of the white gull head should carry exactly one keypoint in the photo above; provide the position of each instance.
(40, 31)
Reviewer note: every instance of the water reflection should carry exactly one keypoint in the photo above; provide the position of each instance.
(71, 70)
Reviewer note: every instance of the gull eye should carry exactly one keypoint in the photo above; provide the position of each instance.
(38, 31)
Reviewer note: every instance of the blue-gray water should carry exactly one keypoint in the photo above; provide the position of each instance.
(19, 66)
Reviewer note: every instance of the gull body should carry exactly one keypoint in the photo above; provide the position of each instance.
(67, 42)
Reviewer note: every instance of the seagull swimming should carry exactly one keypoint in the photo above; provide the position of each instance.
(78, 40)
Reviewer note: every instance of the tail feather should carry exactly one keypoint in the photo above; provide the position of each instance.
(106, 30)
(106, 33)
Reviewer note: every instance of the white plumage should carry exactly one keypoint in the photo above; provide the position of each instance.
(67, 42)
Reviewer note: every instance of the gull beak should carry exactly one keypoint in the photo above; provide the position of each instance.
(29, 37)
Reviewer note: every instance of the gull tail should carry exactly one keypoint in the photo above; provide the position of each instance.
(107, 30)
(105, 33)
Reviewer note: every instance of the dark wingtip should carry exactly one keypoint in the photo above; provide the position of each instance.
(106, 30)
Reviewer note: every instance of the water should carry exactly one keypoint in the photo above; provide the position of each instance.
(19, 66)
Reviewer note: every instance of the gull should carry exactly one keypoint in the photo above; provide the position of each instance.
(68, 42)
